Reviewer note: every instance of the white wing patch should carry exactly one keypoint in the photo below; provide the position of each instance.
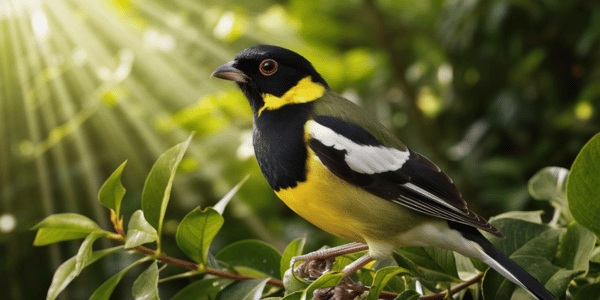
(360, 158)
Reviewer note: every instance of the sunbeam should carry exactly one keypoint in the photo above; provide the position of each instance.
(88, 84)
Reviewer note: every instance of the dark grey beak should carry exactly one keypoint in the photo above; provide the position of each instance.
(229, 72)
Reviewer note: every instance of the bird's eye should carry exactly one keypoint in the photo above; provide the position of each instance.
(268, 67)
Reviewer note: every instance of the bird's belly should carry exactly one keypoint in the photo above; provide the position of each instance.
(345, 210)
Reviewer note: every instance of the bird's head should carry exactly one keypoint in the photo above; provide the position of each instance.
(272, 77)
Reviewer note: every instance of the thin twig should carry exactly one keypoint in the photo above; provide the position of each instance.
(455, 289)
(184, 264)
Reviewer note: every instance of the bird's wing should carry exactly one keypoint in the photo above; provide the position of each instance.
(398, 175)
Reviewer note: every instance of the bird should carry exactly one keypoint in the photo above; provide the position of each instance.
(340, 169)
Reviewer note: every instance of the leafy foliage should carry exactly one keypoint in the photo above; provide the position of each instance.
(582, 186)
(196, 231)
(157, 188)
(557, 254)
(63, 227)
(492, 91)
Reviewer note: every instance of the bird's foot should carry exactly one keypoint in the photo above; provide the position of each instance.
(312, 269)
(320, 261)
(345, 290)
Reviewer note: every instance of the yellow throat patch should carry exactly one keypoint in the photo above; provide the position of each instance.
(305, 91)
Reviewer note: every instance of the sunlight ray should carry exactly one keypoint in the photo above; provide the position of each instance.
(64, 106)
(48, 118)
(5, 116)
(167, 84)
(32, 127)
(186, 33)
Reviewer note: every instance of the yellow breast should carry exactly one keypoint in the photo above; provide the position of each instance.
(345, 210)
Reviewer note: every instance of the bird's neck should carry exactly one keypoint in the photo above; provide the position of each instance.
(279, 147)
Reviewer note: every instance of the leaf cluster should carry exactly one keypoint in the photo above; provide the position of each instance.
(563, 254)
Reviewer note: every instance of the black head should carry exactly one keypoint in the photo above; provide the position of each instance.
(266, 69)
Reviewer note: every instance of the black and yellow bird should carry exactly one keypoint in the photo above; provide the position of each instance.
(341, 170)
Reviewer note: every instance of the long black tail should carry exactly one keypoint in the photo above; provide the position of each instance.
(509, 269)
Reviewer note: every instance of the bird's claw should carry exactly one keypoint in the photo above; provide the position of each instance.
(345, 290)
(311, 269)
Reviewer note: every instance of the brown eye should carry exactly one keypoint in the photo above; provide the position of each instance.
(268, 67)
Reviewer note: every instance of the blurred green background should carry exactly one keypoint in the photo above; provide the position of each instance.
(492, 91)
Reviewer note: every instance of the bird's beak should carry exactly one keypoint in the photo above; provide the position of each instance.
(229, 72)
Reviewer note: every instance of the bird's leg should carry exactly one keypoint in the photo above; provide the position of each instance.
(356, 265)
(320, 261)
(347, 288)
(344, 290)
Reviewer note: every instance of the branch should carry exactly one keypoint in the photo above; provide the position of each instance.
(184, 264)
(456, 289)
(440, 295)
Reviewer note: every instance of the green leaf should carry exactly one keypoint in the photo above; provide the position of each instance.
(145, 287)
(68, 270)
(157, 188)
(205, 289)
(104, 291)
(244, 290)
(532, 246)
(294, 248)
(382, 276)
(529, 216)
(396, 284)
(112, 191)
(292, 284)
(293, 296)
(525, 236)
(326, 280)
(437, 264)
(253, 254)
(84, 255)
(196, 232)
(408, 264)
(555, 279)
(560, 281)
(576, 247)
(220, 206)
(63, 227)
(549, 183)
(139, 231)
(583, 186)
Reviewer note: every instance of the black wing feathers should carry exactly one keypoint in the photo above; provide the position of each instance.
(418, 184)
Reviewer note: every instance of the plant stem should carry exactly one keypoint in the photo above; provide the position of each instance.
(440, 295)
(454, 290)
(184, 264)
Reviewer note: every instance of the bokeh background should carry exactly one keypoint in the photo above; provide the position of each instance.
(492, 91)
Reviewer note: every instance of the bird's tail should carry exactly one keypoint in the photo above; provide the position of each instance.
(513, 272)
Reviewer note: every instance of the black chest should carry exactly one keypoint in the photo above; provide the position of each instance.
(278, 138)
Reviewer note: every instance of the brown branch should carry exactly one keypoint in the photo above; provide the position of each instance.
(184, 264)
(440, 295)
(192, 266)
(454, 290)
